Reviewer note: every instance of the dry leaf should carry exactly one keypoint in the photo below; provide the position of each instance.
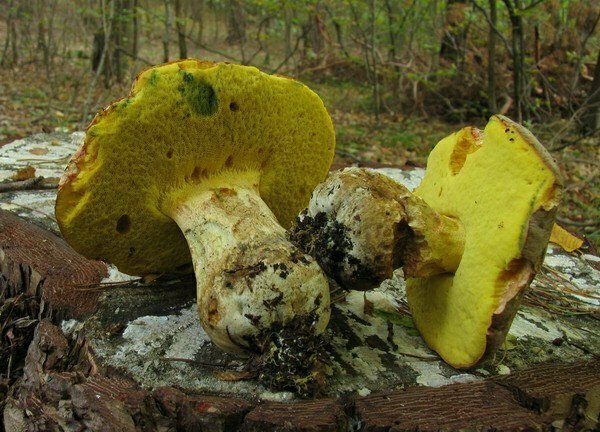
(38, 151)
(149, 278)
(368, 305)
(234, 375)
(51, 180)
(24, 173)
(565, 239)
(55, 142)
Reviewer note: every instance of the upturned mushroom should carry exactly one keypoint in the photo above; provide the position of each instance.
(470, 239)
(207, 163)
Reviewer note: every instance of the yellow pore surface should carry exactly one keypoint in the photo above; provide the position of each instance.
(183, 123)
(491, 182)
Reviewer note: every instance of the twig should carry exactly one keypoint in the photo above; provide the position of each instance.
(192, 361)
(36, 183)
(420, 357)
(494, 28)
(577, 223)
(293, 52)
(348, 155)
(133, 56)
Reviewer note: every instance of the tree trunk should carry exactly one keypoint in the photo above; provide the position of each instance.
(197, 16)
(119, 29)
(373, 41)
(455, 32)
(236, 29)
(9, 33)
(287, 38)
(492, 104)
(180, 26)
(392, 50)
(166, 34)
(135, 30)
(516, 22)
(591, 116)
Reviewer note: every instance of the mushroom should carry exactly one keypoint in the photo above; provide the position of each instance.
(208, 163)
(470, 239)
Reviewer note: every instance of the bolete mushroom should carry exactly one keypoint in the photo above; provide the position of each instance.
(470, 239)
(208, 163)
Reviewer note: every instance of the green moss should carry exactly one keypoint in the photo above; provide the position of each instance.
(153, 78)
(199, 95)
(123, 104)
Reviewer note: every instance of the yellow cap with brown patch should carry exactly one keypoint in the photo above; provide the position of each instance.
(182, 123)
(502, 186)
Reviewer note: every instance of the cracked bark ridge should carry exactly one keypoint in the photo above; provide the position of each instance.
(32, 258)
(469, 406)
(63, 389)
(320, 415)
(567, 392)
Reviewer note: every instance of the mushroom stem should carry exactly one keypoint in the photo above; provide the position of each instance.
(251, 280)
(361, 226)
(435, 243)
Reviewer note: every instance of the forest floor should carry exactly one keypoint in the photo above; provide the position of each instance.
(34, 101)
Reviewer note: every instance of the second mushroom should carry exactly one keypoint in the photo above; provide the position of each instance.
(470, 239)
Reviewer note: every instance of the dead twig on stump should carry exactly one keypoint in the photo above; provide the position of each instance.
(36, 183)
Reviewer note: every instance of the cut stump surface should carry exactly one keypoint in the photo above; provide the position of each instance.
(112, 353)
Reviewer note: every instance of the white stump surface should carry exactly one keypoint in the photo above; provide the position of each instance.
(153, 334)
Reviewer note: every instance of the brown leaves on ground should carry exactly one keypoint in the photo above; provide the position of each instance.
(24, 173)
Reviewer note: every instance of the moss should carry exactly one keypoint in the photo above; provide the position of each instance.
(199, 95)
(153, 78)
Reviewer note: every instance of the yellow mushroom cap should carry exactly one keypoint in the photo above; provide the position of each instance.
(504, 188)
(183, 123)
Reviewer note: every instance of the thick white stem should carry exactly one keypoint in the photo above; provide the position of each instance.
(251, 280)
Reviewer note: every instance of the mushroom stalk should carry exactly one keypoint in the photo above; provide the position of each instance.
(362, 225)
(251, 281)
(435, 243)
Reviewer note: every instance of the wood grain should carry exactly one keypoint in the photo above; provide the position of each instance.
(35, 261)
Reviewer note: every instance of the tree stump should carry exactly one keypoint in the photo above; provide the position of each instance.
(86, 347)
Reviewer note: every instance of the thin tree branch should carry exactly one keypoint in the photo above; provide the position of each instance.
(107, 25)
(494, 28)
(532, 5)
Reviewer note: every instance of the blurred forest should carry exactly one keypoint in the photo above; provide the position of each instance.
(396, 75)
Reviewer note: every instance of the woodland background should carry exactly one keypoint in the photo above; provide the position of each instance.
(396, 75)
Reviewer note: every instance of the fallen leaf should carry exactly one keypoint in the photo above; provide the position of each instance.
(55, 142)
(234, 375)
(149, 278)
(24, 173)
(38, 151)
(565, 239)
(368, 305)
